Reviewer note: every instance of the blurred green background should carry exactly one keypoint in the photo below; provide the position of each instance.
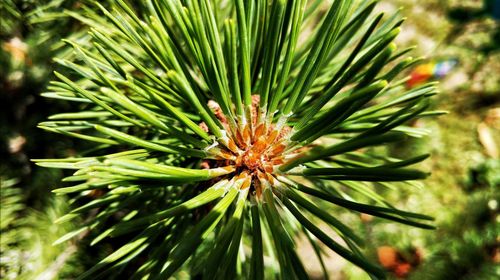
(459, 42)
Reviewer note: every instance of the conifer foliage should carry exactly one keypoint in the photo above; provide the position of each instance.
(225, 130)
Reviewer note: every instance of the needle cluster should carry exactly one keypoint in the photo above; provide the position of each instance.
(224, 130)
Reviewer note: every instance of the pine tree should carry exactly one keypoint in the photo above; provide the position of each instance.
(223, 130)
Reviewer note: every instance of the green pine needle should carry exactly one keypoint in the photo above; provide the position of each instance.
(223, 129)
